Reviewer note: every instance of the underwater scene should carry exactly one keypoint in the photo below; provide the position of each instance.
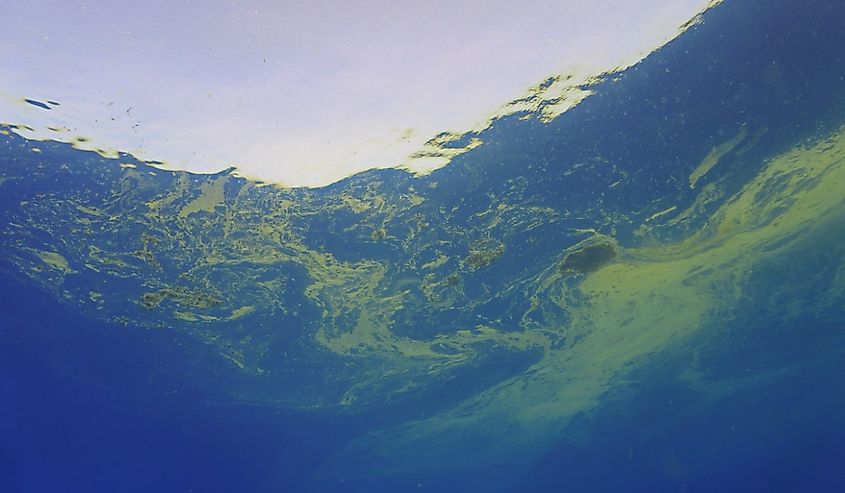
(643, 291)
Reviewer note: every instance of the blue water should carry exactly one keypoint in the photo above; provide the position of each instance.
(61, 434)
(749, 403)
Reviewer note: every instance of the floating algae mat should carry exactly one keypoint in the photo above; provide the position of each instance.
(643, 293)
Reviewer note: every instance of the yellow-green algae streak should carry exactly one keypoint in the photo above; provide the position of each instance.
(239, 253)
(712, 158)
(649, 299)
(229, 290)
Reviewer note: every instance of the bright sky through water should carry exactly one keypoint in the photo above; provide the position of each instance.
(302, 93)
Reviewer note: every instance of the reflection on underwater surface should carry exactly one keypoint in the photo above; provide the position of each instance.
(644, 294)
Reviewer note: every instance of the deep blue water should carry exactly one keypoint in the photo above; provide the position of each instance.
(63, 434)
(86, 405)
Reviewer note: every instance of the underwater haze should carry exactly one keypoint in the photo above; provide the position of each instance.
(644, 293)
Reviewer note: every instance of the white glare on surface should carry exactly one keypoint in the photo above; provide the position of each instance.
(302, 93)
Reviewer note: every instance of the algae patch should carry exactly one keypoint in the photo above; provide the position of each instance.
(589, 255)
(483, 253)
(55, 261)
(212, 194)
(715, 154)
(180, 296)
(241, 312)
